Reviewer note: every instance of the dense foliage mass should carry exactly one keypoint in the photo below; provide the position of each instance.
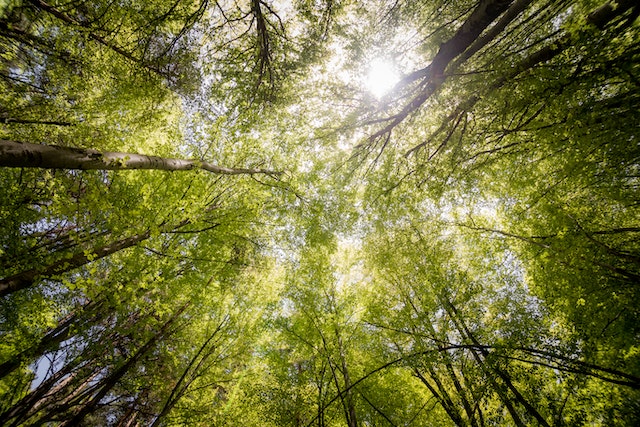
(209, 217)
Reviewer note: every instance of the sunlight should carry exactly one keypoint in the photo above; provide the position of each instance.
(381, 78)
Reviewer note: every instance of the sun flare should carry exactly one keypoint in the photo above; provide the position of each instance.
(381, 77)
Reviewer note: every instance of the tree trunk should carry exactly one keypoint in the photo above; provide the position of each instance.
(26, 155)
(69, 20)
(130, 418)
(444, 398)
(506, 378)
(48, 244)
(352, 418)
(73, 383)
(432, 76)
(600, 17)
(27, 278)
(441, 395)
(42, 395)
(462, 391)
(112, 379)
(189, 374)
(52, 339)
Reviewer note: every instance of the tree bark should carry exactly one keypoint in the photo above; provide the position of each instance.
(69, 20)
(73, 383)
(42, 395)
(52, 339)
(28, 155)
(485, 13)
(189, 374)
(112, 379)
(432, 76)
(26, 278)
(506, 378)
(599, 18)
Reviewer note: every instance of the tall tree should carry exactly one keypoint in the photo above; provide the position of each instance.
(460, 250)
(24, 154)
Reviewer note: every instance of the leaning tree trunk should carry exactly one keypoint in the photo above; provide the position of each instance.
(74, 382)
(95, 36)
(27, 278)
(471, 37)
(482, 360)
(112, 379)
(50, 341)
(26, 155)
(66, 328)
(432, 76)
(189, 374)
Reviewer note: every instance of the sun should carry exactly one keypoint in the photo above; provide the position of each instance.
(381, 77)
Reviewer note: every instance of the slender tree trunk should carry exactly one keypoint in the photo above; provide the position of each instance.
(60, 406)
(352, 418)
(188, 375)
(462, 391)
(321, 395)
(63, 240)
(600, 17)
(441, 395)
(73, 383)
(52, 339)
(464, 331)
(27, 278)
(129, 419)
(43, 394)
(334, 376)
(112, 379)
(101, 40)
(27, 155)
(263, 43)
(499, 389)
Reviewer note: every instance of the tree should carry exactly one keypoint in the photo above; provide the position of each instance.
(461, 250)
(23, 154)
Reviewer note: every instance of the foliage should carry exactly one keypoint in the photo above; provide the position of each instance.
(462, 250)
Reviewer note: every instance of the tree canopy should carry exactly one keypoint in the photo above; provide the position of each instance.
(320, 213)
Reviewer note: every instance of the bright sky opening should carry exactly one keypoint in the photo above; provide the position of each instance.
(381, 77)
